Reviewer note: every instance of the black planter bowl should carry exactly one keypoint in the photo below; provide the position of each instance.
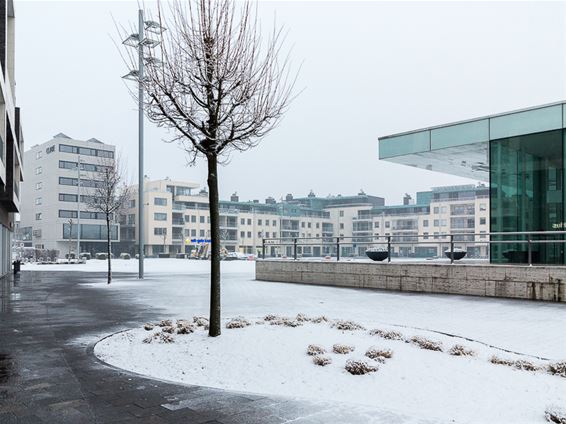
(458, 254)
(377, 255)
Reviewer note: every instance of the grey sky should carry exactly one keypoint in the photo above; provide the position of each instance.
(369, 69)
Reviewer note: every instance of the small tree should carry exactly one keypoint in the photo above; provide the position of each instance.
(220, 87)
(109, 197)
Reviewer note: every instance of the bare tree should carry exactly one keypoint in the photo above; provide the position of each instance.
(109, 197)
(220, 87)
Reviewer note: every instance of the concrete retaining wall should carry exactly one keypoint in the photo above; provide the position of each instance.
(511, 281)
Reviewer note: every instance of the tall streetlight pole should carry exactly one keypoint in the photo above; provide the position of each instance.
(139, 41)
(78, 254)
(141, 220)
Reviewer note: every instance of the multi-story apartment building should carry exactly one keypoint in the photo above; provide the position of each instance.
(177, 220)
(11, 138)
(422, 228)
(55, 192)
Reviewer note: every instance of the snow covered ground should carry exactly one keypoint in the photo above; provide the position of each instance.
(271, 359)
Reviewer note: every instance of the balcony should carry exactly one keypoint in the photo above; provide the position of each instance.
(9, 197)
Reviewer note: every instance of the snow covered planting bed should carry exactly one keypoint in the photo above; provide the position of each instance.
(410, 371)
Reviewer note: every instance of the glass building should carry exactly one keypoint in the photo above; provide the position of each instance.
(520, 154)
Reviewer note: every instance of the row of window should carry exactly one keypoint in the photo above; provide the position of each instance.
(436, 223)
(90, 167)
(66, 197)
(86, 151)
(90, 231)
(84, 183)
(84, 214)
(260, 222)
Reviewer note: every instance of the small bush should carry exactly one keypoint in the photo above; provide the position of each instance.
(459, 350)
(183, 322)
(315, 350)
(148, 326)
(185, 328)
(558, 368)
(302, 318)
(379, 354)
(151, 338)
(260, 322)
(389, 335)
(427, 344)
(166, 338)
(555, 415)
(271, 317)
(342, 349)
(347, 325)
(357, 367)
(168, 329)
(321, 360)
(165, 323)
(200, 321)
(501, 361)
(237, 323)
(521, 364)
(318, 320)
(291, 323)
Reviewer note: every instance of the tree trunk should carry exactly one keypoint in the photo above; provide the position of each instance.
(214, 329)
(108, 249)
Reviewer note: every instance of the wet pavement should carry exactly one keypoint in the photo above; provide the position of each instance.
(49, 374)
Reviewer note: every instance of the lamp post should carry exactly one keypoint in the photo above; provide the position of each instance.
(139, 41)
(78, 208)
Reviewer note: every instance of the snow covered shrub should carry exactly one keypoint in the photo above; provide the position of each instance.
(238, 322)
(459, 350)
(291, 323)
(151, 338)
(357, 367)
(168, 329)
(554, 414)
(271, 317)
(427, 344)
(347, 325)
(185, 328)
(318, 320)
(321, 360)
(379, 354)
(521, 364)
(302, 318)
(501, 361)
(165, 323)
(342, 349)
(558, 368)
(315, 350)
(166, 338)
(260, 322)
(148, 326)
(200, 321)
(389, 335)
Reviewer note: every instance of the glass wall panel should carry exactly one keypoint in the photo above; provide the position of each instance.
(526, 181)
(527, 122)
(404, 144)
(457, 135)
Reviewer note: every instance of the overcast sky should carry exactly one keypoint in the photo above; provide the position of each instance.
(369, 69)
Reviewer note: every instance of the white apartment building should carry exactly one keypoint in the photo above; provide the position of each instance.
(422, 229)
(177, 220)
(54, 193)
(11, 138)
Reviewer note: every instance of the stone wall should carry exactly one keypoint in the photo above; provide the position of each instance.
(511, 281)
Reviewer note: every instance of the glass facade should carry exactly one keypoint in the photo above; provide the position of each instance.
(527, 194)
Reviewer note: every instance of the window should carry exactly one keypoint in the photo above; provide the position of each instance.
(318, 225)
(242, 234)
(267, 222)
(425, 236)
(387, 224)
(308, 225)
(208, 219)
(86, 151)
(201, 233)
(436, 222)
(193, 233)
(38, 185)
(84, 183)
(249, 234)
(482, 234)
(482, 221)
(376, 224)
(38, 216)
(157, 216)
(201, 219)
(302, 225)
(259, 235)
(341, 225)
(443, 209)
(341, 213)
(274, 223)
(38, 200)
(274, 235)
(50, 149)
(242, 221)
(38, 154)
(160, 201)
(436, 209)
(249, 221)
(193, 218)
(38, 170)
(443, 223)
(131, 219)
(159, 231)
(425, 222)
(259, 222)
(132, 203)
(67, 197)
(483, 207)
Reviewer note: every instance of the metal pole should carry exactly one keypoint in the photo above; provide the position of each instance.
(78, 208)
(337, 248)
(451, 248)
(140, 147)
(530, 251)
(263, 248)
(295, 249)
(388, 248)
